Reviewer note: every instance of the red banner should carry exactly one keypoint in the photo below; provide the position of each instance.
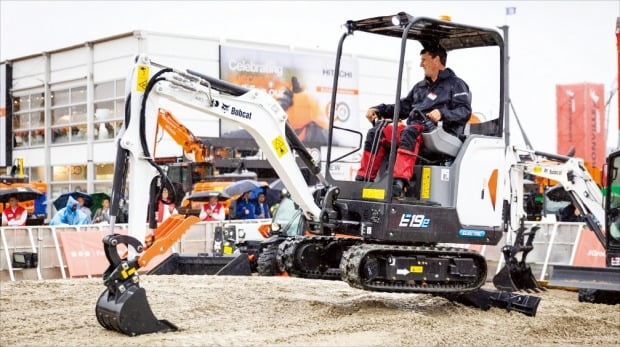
(581, 121)
(589, 251)
(84, 254)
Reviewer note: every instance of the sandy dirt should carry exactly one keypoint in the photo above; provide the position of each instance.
(280, 311)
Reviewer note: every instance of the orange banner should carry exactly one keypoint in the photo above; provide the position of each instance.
(581, 121)
(589, 251)
(84, 254)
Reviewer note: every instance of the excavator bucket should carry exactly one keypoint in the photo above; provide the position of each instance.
(123, 306)
(516, 274)
(129, 313)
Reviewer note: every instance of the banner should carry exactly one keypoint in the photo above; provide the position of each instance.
(581, 121)
(589, 251)
(302, 84)
(84, 254)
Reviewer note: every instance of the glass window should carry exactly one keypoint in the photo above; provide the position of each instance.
(60, 97)
(61, 116)
(120, 88)
(21, 103)
(58, 189)
(104, 130)
(104, 171)
(103, 188)
(37, 119)
(120, 108)
(37, 137)
(60, 135)
(78, 133)
(78, 114)
(78, 172)
(78, 95)
(104, 90)
(60, 173)
(21, 121)
(104, 110)
(21, 139)
(37, 173)
(37, 100)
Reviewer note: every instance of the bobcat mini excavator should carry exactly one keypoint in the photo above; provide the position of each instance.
(471, 197)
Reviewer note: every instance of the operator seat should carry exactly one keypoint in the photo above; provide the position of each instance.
(438, 141)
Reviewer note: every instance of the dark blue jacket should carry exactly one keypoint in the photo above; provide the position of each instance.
(449, 94)
(242, 206)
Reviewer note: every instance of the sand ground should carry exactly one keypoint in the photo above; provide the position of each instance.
(281, 311)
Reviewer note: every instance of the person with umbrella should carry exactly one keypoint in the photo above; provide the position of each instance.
(14, 215)
(83, 208)
(262, 207)
(245, 207)
(102, 215)
(70, 214)
(213, 210)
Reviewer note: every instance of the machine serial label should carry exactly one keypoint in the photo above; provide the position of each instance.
(472, 233)
(414, 221)
(279, 145)
(425, 192)
(143, 78)
(373, 193)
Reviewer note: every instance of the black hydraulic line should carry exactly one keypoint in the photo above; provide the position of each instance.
(301, 150)
(220, 85)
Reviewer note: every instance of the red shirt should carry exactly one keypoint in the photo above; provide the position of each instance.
(17, 214)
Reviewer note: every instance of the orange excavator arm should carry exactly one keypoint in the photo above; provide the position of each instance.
(193, 148)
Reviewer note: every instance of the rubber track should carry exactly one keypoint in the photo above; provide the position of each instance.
(354, 257)
(286, 256)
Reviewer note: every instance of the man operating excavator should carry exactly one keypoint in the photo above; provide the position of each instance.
(440, 96)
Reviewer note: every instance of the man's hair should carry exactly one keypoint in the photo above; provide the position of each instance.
(436, 50)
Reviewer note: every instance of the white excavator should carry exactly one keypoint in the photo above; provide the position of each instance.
(361, 234)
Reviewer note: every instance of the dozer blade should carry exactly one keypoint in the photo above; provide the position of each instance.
(129, 313)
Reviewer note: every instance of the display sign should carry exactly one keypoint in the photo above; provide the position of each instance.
(581, 121)
(302, 84)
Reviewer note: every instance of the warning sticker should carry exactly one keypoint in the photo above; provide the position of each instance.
(143, 78)
(373, 193)
(425, 192)
(280, 146)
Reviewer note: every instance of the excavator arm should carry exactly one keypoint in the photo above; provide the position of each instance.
(574, 179)
(123, 306)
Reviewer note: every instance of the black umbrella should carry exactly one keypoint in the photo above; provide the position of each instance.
(206, 194)
(241, 187)
(61, 201)
(21, 193)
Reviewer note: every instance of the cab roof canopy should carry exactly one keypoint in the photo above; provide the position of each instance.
(429, 31)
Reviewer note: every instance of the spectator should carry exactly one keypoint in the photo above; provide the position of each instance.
(102, 215)
(85, 209)
(245, 207)
(14, 215)
(70, 214)
(262, 208)
(166, 207)
(212, 210)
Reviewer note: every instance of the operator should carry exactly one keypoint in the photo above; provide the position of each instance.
(14, 215)
(440, 96)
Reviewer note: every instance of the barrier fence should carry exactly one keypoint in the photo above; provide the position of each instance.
(76, 251)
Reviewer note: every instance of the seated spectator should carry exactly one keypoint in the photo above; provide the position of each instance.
(165, 207)
(245, 207)
(85, 209)
(70, 214)
(569, 214)
(213, 210)
(102, 215)
(262, 208)
(14, 215)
